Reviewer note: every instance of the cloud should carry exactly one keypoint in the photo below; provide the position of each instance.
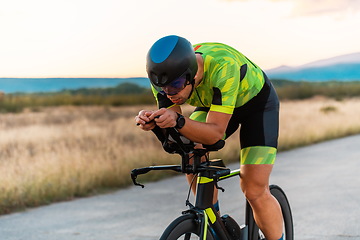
(318, 7)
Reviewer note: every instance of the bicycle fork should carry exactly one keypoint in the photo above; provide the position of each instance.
(207, 225)
(225, 228)
(206, 212)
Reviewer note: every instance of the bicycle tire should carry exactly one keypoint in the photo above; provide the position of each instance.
(184, 227)
(279, 194)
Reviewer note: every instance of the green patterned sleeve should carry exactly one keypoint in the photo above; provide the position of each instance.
(225, 86)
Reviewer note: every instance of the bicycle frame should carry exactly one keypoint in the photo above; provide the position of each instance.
(207, 179)
(208, 173)
(203, 202)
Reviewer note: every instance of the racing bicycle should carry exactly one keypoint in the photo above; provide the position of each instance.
(201, 220)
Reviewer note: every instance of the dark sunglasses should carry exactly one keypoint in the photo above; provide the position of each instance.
(176, 86)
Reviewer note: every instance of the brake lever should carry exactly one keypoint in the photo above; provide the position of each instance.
(136, 183)
(217, 175)
(133, 178)
(218, 187)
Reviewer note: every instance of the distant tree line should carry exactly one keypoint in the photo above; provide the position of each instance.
(302, 90)
(126, 94)
(121, 89)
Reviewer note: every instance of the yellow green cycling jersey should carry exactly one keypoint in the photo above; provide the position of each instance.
(230, 79)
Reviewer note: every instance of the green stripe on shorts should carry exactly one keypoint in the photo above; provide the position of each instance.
(258, 155)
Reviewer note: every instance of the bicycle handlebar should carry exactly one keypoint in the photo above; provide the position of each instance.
(177, 145)
(217, 172)
(138, 171)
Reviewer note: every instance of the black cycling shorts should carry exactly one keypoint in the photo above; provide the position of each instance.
(259, 120)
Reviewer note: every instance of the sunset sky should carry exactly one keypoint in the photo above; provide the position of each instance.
(110, 38)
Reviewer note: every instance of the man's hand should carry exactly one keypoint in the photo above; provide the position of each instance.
(167, 118)
(144, 121)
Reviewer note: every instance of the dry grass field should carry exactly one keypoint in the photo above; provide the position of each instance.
(65, 152)
(313, 120)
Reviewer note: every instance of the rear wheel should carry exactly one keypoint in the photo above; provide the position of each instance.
(184, 227)
(254, 231)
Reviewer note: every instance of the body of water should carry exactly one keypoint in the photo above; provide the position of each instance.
(30, 85)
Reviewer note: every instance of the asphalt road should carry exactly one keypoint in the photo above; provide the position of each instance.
(322, 183)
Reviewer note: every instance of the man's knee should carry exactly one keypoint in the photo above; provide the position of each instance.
(255, 180)
(254, 192)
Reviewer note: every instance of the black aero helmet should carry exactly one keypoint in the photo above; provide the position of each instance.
(170, 58)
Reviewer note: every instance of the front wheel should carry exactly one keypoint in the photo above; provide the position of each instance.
(254, 231)
(184, 227)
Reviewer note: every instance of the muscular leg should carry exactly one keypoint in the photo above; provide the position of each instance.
(266, 209)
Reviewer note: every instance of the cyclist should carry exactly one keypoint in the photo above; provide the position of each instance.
(228, 90)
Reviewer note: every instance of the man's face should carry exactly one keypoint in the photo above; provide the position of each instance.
(181, 97)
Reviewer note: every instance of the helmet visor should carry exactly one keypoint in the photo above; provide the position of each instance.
(175, 86)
